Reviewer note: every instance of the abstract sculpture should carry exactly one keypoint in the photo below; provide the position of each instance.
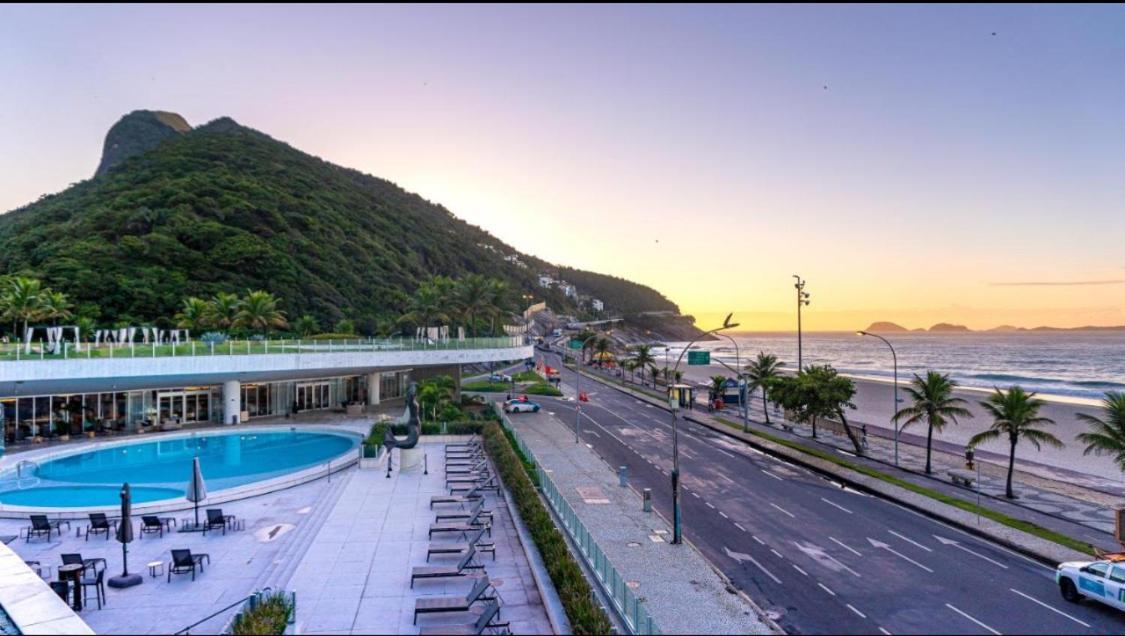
(412, 426)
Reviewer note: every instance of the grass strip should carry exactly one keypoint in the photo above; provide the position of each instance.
(988, 513)
(582, 610)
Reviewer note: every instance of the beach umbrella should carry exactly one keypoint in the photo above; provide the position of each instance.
(125, 536)
(196, 490)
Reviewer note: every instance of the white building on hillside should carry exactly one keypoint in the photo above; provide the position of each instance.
(546, 281)
(597, 305)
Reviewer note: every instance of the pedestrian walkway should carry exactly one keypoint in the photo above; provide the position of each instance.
(680, 589)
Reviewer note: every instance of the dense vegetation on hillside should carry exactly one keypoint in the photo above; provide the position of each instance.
(224, 208)
(621, 296)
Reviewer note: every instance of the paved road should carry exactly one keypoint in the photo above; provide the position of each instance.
(822, 558)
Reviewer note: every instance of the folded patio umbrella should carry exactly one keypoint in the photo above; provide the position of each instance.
(125, 537)
(196, 490)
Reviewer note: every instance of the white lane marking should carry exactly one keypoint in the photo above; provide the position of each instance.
(690, 454)
(839, 543)
(844, 452)
(1030, 560)
(727, 479)
(973, 619)
(771, 474)
(861, 614)
(1059, 612)
(695, 494)
(835, 505)
(776, 553)
(955, 544)
(760, 542)
(741, 556)
(723, 515)
(910, 540)
(880, 544)
(791, 515)
(739, 526)
(818, 554)
(708, 504)
(826, 589)
(723, 452)
(796, 567)
(593, 432)
(885, 632)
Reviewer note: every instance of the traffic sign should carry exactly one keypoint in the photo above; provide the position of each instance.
(695, 358)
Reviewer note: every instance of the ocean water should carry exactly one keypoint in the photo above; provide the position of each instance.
(1082, 364)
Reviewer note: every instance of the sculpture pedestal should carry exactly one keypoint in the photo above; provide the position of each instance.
(410, 459)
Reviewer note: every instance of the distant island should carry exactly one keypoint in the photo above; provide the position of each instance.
(945, 327)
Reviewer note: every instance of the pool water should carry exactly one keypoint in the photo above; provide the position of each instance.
(161, 469)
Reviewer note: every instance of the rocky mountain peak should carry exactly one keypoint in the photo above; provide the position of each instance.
(137, 133)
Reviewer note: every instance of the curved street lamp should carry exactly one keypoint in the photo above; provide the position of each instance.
(894, 410)
(743, 407)
(677, 523)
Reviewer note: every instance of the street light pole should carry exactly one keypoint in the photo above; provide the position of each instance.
(802, 299)
(677, 523)
(742, 406)
(894, 358)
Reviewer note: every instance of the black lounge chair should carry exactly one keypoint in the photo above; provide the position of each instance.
(477, 509)
(484, 484)
(459, 549)
(74, 558)
(183, 561)
(99, 524)
(460, 469)
(151, 525)
(471, 524)
(215, 519)
(41, 526)
(467, 478)
(94, 580)
(446, 571)
(461, 455)
(471, 496)
(488, 620)
(473, 445)
(442, 604)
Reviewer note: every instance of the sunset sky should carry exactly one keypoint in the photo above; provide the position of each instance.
(915, 164)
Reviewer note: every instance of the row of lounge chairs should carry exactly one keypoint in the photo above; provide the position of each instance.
(100, 524)
(468, 477)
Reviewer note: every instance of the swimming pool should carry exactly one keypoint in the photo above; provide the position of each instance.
(160, 470)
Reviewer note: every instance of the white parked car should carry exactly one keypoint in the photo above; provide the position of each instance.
(499, 377)
(521, 406)
(1102, 581)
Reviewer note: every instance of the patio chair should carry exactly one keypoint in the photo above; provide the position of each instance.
(460, 469)
(488, 620)
(183, 561)
(215, 519)
(468, 478)
(40, 526)
(62, 588)
(446, 571)
(464, 453)
(459, 549)
(477, 509)
(74, 558)
(471, 445)
(471, 496)
(443, 604)
(95, 580)
(485, 484)
(99, 524)
(151, 524)
(466, 526)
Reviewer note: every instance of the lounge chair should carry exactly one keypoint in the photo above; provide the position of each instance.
(446, 571)
(478, 509)
(459, 549)
(215, 519)
(471, 524)
(94, 580)
(484, 484)
(463, 455)
(443, 604)
(99, 524)
(487, 620)
(41, 526)
(183, 561)
(460, 469)
(467, 478)
(471, 496)
(473, 445)
(151, 524)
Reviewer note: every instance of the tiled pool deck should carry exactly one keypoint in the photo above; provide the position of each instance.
(345, 546)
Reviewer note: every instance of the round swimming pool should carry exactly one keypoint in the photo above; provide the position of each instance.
(161, 469)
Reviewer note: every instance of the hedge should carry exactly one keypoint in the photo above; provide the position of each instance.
(269, 616)
(585, 614)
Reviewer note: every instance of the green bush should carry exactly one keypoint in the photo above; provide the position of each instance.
(542, 389)
(269, 616)
(585, 614)
(333, 336)
(527, 376)
(487, 387)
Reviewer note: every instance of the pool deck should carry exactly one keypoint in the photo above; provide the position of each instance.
(345, 546)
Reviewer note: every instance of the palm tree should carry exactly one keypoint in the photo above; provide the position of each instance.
(1107, 433)
(474, 299)
(54, 306)
(426, 307)
(259, 311)
(305, 326)
(653, 371)
(1015, 413)
(934, 404)
(500, 301)
(760, 373)
(222, 310)
(642, 357)
(22, 302)
(193, 314)
(717, 385)
(601, 349)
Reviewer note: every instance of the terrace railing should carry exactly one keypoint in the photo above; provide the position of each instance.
(626, 604)
(71, 350)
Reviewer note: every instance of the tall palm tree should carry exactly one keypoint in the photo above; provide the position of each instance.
(1015, 414)
(760, 373)
(1107, 433)
(193, 314)
(500, 302)
(305, 326)
(934, 404)
(717, 385)
(22, 302)
(222, 310)
(54, 306)
(654, 371)
(425, 307)
(474, 299)
(601, 349)
(259, 311)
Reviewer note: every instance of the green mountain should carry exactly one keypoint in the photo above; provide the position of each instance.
(178, 212)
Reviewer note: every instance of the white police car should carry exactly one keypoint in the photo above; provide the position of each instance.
(1102, 581)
